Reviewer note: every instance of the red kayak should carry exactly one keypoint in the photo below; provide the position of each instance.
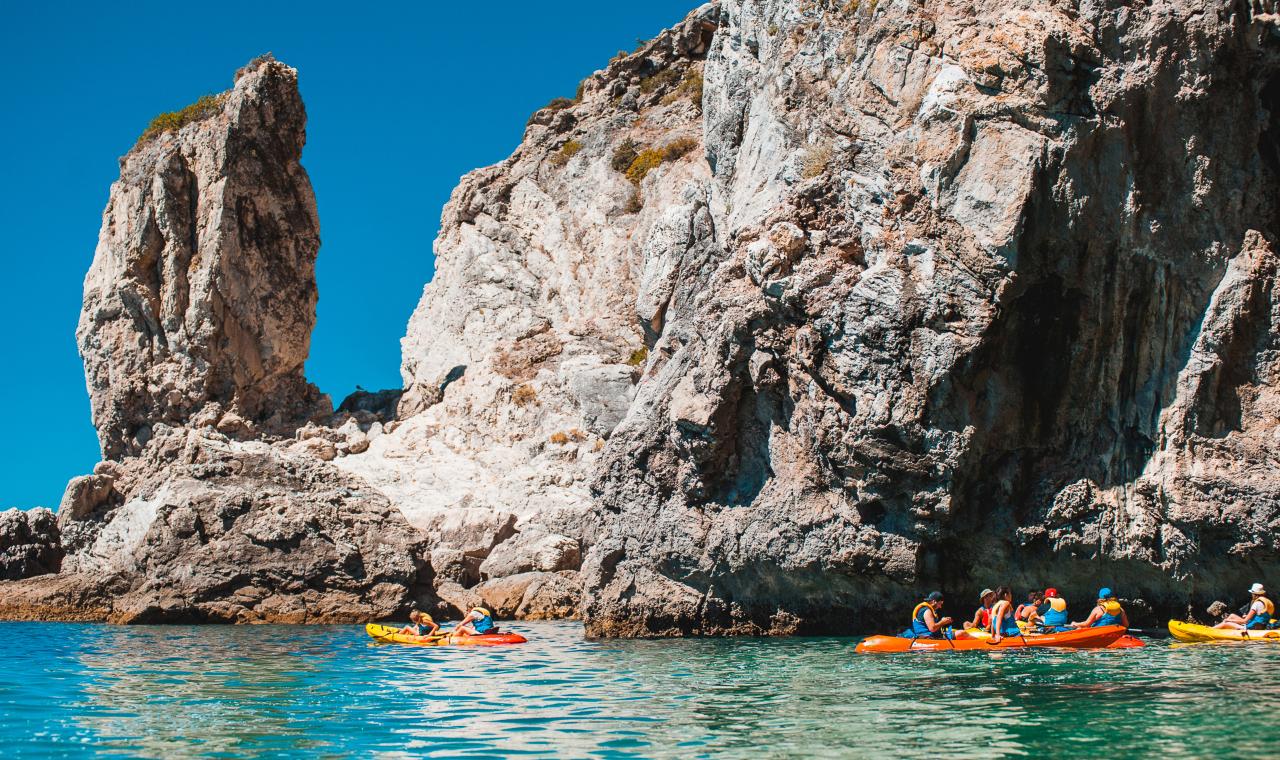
(1083, 638)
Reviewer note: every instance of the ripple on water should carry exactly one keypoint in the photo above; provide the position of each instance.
(269, 691)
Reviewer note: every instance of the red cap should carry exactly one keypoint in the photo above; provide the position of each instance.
(1050, 593)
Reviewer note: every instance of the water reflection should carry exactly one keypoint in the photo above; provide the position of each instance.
(270, 691)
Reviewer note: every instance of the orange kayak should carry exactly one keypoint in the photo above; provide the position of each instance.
(391, 635)
(1084, 638)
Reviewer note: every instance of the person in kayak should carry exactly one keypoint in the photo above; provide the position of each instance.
(1260, 614)
(1030, 611)
(478, 621)
(925, 620)
(1054, 619)
(1003, 621)
(982, 617)
(420, 624)
(1107, 612)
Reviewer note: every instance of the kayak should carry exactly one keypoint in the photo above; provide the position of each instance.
(1124, 642)
(1084, 638)
(391, 635)
(1193, 632)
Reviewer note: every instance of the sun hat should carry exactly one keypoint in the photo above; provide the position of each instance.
(1050, 592)
(1257, 589)
(1104, 592)
(934, 596)
(985, 591)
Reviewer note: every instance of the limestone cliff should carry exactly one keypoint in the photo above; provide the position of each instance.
(992, 300)
(197, 319)
(795, 310)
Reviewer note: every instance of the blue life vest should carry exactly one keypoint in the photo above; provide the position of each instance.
(1053, 618)
(484, 624)
(920, 629)
(1108, 619)
(1008, 624)
(1262, 621)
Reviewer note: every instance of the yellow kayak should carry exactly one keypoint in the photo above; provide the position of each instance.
(391, 635)
(1193, 632)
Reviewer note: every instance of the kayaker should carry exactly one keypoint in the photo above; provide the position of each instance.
(1030, 611)
(1055, 617)
(477, 621)
(982, 618)
(925, 620)
(1003, 621)
(420, 624)
(1261, 612)
(1108, 611)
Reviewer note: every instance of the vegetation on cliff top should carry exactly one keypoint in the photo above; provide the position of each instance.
(206, 106)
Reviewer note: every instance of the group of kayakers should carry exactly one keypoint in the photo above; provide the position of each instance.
(476, 622)
(1046, 612)
(1043, 612)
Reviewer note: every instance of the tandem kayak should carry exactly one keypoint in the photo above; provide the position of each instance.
(1194, 632)
(391, 635)
(1124, 642)
(1084, 638)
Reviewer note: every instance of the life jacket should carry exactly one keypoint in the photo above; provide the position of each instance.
(484, 624)
(920, 629)
(1052, 618)
(984, 617)
(1265, 619)
(1107, 617)
(1008, 624)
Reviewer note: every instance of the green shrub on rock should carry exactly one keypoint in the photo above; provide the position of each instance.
(205, 107)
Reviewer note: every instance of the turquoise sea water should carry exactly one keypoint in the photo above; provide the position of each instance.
(274, 691)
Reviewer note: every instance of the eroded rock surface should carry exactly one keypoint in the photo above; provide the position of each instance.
(30, 544)
(991, 298)
(215, 500)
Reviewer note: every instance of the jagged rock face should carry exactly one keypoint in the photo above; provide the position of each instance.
(201, 297)
(29, 544)
(992, 299)
(196, 324)
(522, 356)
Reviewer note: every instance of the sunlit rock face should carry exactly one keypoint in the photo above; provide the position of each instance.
(553, 272)
(215, 501)
(990, 297)
(201, 297)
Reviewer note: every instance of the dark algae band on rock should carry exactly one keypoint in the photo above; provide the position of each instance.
(795, 310)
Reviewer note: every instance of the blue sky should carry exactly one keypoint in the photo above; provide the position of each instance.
(402, 100)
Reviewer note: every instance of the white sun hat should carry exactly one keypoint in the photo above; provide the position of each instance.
(1257, 589)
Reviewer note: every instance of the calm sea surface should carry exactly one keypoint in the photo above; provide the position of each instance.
(273, 691)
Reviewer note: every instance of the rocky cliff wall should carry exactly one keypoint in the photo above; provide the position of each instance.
(797, 309)
(214, 500)
(993, 301)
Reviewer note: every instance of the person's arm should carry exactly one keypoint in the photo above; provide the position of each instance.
(1124, 618)
(1253, 612)
(976, 617)
(997, 617)
(1093, 617)
(933, 623)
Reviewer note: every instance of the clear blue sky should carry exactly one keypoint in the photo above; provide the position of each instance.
(402, 101)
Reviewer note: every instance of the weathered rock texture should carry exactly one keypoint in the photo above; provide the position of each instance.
(523, 354)
(992, 297)
(201, 297)
(29, 544)
(796, 310)
(214, 501)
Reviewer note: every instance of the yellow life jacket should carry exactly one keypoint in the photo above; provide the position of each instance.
(1270, 608)
(483, 611)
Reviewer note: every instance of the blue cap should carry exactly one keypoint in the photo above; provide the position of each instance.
(1104, 593)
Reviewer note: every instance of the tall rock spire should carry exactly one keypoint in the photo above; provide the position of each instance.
(202, 297)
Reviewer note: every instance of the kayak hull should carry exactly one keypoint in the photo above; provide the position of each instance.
(1084, 638)
(1194, 632)
(391, 635)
